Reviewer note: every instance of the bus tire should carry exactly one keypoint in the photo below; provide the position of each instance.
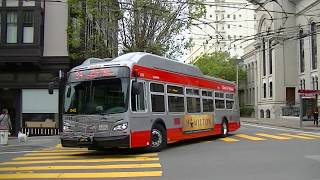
(224, 129)
(158, 138)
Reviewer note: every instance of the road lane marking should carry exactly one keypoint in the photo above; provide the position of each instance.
(77, 154)
(296, 136)
(227, 139)
(112, 166)
(253, 138)
(81, 175)
(310, 135)
(273, 136)
(82, 161)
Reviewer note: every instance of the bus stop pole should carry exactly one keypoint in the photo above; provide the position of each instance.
(301, 109)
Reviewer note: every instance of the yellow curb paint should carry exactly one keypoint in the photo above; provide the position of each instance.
(81, 175)
(227, 139)
(296, 136)
(82, 161)
(59, 146)
(310, 135)
(113, 166)
(253, 138)
(273, 136)
(91, 154)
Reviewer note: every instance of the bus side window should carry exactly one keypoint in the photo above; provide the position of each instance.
(137, 96)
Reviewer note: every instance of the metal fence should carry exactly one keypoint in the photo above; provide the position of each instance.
(290, 111)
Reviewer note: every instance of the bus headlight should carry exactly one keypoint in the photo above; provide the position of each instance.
(120, 127)
(66, 126)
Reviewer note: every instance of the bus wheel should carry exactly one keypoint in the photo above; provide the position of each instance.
(224, 129)
(158, 139)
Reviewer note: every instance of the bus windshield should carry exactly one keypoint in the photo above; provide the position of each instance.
(102, 96)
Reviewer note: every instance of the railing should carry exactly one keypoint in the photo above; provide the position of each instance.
(290, 111)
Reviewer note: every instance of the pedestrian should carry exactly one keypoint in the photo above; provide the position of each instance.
(5, 121)
(5, 126)
(315, 116)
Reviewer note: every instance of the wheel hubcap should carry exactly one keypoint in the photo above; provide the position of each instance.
(156, 138)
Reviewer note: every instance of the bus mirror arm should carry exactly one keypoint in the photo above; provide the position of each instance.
(50, 87)
(135, 74)
(135, 88)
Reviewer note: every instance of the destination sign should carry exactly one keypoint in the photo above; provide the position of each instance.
(98, 73)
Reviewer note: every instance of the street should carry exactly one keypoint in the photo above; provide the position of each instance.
(253, 152)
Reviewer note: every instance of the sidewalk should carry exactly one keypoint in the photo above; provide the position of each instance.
(40, 141)
(284, 122)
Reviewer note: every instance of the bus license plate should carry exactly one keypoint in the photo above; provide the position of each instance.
(103, 127)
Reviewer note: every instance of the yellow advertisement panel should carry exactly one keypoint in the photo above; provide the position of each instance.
(197, 122)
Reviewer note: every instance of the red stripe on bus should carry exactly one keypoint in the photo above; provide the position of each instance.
(165, 76)
(142, 138)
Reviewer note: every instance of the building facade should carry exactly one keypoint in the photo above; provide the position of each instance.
(33, 49)
(285, 48)
(225, 27)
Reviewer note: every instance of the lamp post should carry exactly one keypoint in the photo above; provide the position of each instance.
(238, 61)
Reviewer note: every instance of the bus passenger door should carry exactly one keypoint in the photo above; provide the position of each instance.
(139, 116)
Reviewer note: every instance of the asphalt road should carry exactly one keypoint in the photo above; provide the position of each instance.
(252, 153)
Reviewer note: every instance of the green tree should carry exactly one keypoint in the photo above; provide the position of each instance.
(141, 25)
(220, 64)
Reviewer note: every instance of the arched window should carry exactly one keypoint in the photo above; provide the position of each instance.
(313, 31)
(267, 113)
(270, 56)
(261, 113)
(312, 79)
(301, 50)
(270, 89)
(263, 57)
(264, 90)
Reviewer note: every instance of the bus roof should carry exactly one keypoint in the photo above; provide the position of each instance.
(147, 60)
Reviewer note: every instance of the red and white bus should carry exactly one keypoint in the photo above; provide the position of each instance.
(143, 100)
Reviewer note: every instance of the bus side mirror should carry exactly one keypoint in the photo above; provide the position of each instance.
(50, 87)
(135, 88)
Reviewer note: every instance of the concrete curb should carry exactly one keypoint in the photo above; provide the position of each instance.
(283, 126)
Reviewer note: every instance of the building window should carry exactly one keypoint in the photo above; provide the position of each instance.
(313, 45)
(0, 23)
(12, 29)
(301, 50)
(270, 56)
(263, 57)
(312, 79)
(301, 84)
(304, 83)
(12, 3)
(267, 113)
(270, 90)
(264, 90)
(316, 81)
(234, 17)
(228, 26)
(28, 29)
(261, 113)
(228, 16)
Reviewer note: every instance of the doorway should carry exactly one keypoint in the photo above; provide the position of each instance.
(10, 99)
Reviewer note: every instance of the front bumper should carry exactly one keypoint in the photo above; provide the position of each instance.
(97, 142)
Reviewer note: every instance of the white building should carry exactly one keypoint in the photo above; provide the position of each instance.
(225, 27)
(285, 56)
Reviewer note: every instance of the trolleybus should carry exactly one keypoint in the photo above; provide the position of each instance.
(144, 100)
